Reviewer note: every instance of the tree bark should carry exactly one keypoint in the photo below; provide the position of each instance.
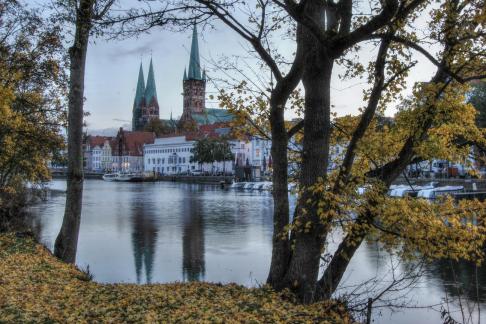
(280, 246)
(303, 269)
(66, 242)
(280, 140)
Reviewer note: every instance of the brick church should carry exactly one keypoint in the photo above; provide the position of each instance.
(146, 106)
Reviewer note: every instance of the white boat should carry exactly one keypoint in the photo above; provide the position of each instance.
(404, 190)
(267, 185)
(248, 186)
(110, 176)
(118, 176)
(439, 191)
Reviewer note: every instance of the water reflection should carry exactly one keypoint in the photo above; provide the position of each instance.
(461, 279)
(166, 232)
(193, 263)
(144, 239)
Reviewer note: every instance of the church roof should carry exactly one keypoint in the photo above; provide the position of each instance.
(150, 90)
(194, 63)
(213, 116)
(140, 89)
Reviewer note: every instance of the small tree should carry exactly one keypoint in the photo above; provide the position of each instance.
(202, 152)
(222, 152)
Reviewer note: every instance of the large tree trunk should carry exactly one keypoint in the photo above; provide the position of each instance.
(280, 240)
(303, 269)
(280, 139)
(67, 240)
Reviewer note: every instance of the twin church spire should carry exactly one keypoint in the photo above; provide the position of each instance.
(145, 105)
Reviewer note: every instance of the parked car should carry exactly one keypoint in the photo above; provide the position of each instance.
(196, 173)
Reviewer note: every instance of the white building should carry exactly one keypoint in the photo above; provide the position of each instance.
(173, 155)
(259, 152)
(169, 155)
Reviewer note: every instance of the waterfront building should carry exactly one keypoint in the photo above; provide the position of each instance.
(173, 155)
(127, 150)
(169, 155)
(95, 152)
(121, 153)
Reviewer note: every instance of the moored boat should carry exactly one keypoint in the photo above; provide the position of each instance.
(125, 177)
(439, 191)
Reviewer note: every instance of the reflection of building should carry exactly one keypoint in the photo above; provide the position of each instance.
(193, 262)
(144, 239)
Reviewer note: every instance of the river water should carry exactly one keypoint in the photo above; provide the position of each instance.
(164, 232)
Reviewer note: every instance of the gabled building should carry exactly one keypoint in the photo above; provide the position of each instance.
(127, 150)
(97, 153)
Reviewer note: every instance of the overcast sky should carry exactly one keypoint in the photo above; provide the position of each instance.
(112, 70)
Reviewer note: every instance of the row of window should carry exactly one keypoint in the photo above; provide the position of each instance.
(174, 150)
(170, 160)
(168, 169)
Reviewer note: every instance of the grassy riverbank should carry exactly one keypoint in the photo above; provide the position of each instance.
(36, 287)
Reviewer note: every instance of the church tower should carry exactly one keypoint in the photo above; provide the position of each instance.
(139, 101)
(194, 83)
(151, 108)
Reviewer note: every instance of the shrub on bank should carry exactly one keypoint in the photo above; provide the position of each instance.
(13, 200)
(36, 287)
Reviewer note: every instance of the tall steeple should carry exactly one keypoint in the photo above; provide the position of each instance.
(150, 90)
(150, 107)
(193, 84)
(194, 63)
(139, 99)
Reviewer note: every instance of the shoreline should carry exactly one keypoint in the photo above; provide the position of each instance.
(37, 287)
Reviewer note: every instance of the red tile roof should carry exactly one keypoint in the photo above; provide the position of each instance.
(131, 143)
(97, 140)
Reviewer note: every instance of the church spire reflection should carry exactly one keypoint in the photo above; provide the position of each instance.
(144, 239)
(193, 263)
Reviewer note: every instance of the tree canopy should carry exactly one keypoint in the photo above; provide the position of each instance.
(32, 89)
(210, 150)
